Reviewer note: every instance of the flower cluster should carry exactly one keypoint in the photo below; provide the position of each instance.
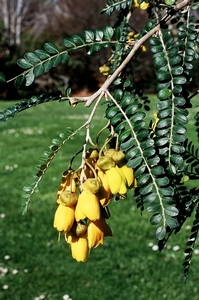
(104, 70)
(142, 6)
(83, 198)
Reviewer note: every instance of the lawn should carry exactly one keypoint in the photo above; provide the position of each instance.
(34, 265)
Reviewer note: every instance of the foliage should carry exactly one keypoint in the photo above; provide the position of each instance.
(160, 155)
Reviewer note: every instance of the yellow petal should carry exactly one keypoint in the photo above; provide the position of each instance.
(89, 205)
(96, 232)
(79, 248)
(144, 5)
(79, 215)
(64, 218)
(114, 180)
(128, 173)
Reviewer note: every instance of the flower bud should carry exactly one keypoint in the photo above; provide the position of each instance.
(91, 185)
(105, 163)
(68, 198)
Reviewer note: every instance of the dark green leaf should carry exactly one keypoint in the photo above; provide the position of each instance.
(108, 33)
(178, 70)
(19, 81)
(111, 111)
(64, 56)
(125, 135)
(171, 169)
(117, 118)
(23, 63)
(56, 61)
(89, 36)
(143, 179)
(178, 138)
(180, 129)
(171, 211)
(135, 162)
(179, 80)
(163, 75)
(146, 189)
(38, 70)
(175, 60)
(131, 153)
(120, 127)
(157, 170)
(142, 134)
(77, 39)
(168, 191)
(179, 118)
(172, 222)
(32, 58)
(155, 219)
(164, 123)
(146, 144)
(172, 51)
(161, 141)
(149, 198)
(139, 171)
(179, 101)
(177, 89)
(2, 77)
(148, 152)
(161, 233)
(29, 78)
(156, 48)
(51, 48)
(164, 94)
(153, 161)
(176, 159)
(162, 181)
(154, 206)
(164, 113)
(127, 144)
(154, 41)
(47, 65)
(177, 148)
(159, 61)
(42, 54)
(131, 109)
(68, 43)
(99, 35)
(163, 104)
(137, 116)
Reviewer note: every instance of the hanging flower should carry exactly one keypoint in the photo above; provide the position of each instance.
(88, 204)
(96, 232)
(64, 218)
(79, 248)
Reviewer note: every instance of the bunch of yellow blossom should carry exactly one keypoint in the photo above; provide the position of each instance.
(104, 70)
(142, 6)
(82, 204)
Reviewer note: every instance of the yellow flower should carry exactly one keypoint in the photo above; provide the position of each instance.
(79, 248)
(104, 70)
(104, 194)
(64, 218)
(114, 180)
(128, 173)
(96, 232)
(142, 6)
(88, 204)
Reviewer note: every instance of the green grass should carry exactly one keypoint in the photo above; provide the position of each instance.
(125, 267)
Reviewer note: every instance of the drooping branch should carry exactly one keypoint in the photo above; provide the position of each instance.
(171, 12)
